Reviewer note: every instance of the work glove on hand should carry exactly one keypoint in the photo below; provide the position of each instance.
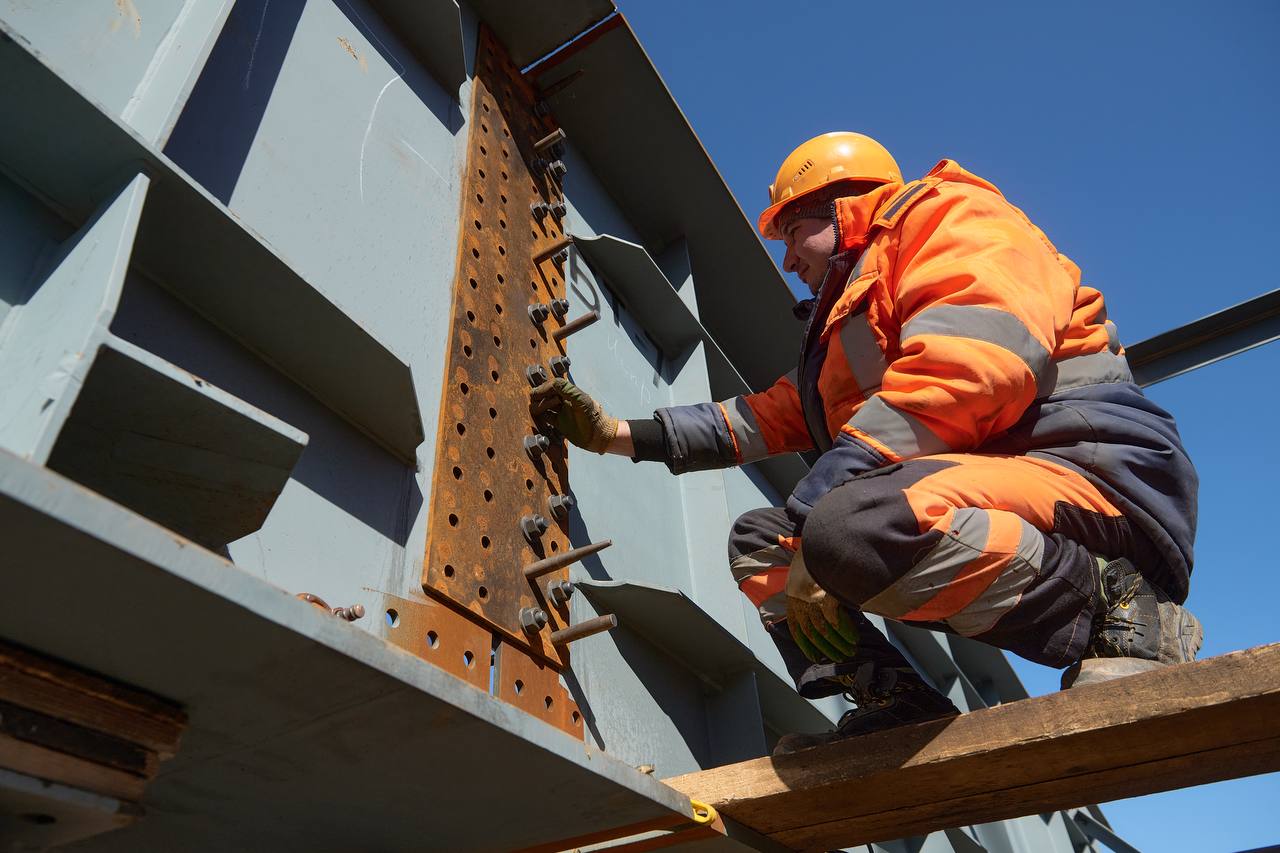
(571, 410)
(819, 624)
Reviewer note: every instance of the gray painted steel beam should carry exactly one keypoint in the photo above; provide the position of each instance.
(532, 30)
(296, 717)
(619, 114)
(433, 31)
(1223, 334)
(631, 272)
(73, 155)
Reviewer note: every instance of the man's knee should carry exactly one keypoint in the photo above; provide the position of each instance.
(861, 537)
(757, 529)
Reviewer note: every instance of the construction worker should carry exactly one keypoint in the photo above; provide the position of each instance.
(988, 467)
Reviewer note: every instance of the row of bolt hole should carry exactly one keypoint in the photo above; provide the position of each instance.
(468, 657)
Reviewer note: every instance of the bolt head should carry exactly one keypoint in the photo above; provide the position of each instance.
(559, 209)
(557, 168)
(538, 313)
(536, 374)
(560, 365)
(533, 526)
(560, 506)
(560, 592)
(533, 619)
(560, 307)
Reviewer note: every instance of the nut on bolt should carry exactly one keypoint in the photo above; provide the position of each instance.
(559, 209)
(533, 619)
(560, 506)
(533, 526)
(560, 364)
(560, 307)
(559, 592)
(535, 445)
(557, 168)
(539, 209)
(538, 313)
(536, 374)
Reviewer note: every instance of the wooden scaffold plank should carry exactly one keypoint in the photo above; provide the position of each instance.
(1170, 728)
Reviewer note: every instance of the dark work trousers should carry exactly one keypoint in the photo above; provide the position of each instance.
(997, 548)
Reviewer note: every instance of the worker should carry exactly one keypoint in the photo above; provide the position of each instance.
(987, 467)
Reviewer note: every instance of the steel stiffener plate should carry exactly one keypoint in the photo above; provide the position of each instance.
(436, 633)
(484, 483)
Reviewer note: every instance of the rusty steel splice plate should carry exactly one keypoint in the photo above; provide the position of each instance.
(484, 482)
(535, 688)
(437, 634)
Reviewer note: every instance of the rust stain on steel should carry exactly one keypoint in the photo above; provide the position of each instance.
(349, 48)
(535, 688)
(437, 634)
(484, 482)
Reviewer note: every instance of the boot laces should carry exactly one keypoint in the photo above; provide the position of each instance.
(871, 687)
(1118, 594)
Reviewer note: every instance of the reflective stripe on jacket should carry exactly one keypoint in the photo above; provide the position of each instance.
(947, 323)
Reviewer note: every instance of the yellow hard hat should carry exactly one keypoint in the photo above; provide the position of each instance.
(824, 160)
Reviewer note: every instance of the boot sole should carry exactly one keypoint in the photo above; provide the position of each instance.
(1180, 641)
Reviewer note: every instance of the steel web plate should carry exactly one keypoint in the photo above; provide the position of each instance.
(484, 483)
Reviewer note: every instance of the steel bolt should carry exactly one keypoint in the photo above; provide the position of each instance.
(539, 209)
(536, 374)
(557, 168)
(560, 257)
(351, 614)
(535, 445)
(550, 141)
(560, 506)
(533, 526)
(533, 619)
(560, 307)
(559, 208)
(560, 365)
(538, 313)
(559, 592)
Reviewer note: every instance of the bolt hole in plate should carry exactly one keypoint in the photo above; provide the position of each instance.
(393, 618)
(433, 640)
(480, 576)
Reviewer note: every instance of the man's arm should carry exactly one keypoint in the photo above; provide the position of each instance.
(686, 438)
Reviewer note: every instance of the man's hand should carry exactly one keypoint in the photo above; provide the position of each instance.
(819, 624)
(572, 411)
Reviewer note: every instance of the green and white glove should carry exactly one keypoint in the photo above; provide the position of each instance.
(572, 411)
(819, 624)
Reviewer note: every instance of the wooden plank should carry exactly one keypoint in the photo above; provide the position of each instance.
(68, 693)
(53, 766)
(1175, 727)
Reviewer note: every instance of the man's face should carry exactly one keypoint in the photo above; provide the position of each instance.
(810, 244)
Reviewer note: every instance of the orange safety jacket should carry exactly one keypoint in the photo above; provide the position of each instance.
(948, 323)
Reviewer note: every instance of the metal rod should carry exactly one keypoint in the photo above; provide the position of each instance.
(582, 630)
(555, 248)
(568, 558)
(575, 325)
(550, 139)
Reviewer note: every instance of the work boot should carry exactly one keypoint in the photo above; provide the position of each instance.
(1136, 628)
(886, 689)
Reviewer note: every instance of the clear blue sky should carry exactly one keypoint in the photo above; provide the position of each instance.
(1141, 137)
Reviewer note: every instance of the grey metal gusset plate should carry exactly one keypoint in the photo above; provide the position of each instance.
(74, 155)
(305, 732)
